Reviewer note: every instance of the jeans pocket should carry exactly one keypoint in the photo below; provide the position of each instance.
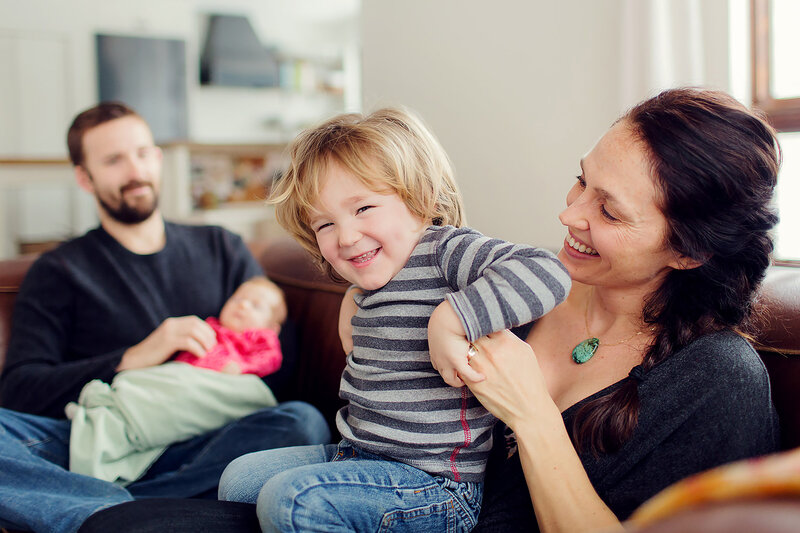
(437, 517)
(454, 510)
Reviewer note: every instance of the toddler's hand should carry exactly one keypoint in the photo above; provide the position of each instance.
(346, 313)
(448, 346)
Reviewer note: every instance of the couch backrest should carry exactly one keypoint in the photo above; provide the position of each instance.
(313, 302)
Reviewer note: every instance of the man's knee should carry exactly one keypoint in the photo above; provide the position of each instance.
(308, 422)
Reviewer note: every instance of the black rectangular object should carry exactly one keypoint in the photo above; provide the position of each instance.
(149, 75)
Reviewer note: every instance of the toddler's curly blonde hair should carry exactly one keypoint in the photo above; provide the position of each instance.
(389, 150)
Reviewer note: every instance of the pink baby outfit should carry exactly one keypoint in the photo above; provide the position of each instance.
(256, 351)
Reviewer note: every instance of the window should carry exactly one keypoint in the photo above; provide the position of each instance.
(776, 91)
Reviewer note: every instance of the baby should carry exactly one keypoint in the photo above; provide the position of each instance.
(247, 332)
(120, 428)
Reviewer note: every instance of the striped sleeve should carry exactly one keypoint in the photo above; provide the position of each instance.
(498, 285)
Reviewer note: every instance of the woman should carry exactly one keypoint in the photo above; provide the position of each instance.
(667, 241)
(639, 378)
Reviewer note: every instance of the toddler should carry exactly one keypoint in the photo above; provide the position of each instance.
(374, 201)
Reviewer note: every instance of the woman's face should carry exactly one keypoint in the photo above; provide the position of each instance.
(615, 230)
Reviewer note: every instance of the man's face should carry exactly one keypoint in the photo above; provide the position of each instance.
(122, 169)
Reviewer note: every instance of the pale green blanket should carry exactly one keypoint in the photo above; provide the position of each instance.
(119, 430)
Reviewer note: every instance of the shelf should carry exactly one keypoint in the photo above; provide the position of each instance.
(32, 161)
(29, 171)
(233, 148)
(251, 220)
(221, 183)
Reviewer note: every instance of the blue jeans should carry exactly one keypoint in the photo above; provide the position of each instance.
(341, 488)
(38, 492)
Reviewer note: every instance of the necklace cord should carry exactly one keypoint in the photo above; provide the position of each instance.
(586, 349)
(591, 335)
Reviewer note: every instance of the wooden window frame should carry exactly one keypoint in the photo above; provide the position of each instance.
(782, 113)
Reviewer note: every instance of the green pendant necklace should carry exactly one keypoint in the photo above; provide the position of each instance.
(586, 349)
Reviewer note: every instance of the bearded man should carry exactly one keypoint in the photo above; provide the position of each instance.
(128, 294)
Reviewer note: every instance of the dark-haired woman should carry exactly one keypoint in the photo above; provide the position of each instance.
(642, 376)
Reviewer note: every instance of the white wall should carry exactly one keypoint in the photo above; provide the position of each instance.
(312, 28)
(48, 60)
(516, 90)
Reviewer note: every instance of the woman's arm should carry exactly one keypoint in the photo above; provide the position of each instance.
(514, 390)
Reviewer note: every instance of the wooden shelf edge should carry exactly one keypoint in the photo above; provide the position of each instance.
(34, 161)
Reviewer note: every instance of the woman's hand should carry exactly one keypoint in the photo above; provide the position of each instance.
(448, 346)
(514, 389)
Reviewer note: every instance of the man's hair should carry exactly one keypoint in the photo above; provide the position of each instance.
(388, 150)
(90, 118)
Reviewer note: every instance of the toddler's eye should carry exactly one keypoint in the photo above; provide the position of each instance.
(323, 226)
(362, 209)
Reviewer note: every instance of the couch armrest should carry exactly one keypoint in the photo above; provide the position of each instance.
(12, 272)
(777, 315)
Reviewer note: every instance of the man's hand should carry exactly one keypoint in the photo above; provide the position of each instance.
(448, 345)
(188, 333)
(346, 313)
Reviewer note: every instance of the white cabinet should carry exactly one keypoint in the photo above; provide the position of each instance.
(40, 202)
(35, 99)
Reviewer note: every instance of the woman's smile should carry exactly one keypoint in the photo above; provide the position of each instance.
(575, 244)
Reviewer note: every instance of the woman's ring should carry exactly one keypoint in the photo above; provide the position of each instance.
(471, 352)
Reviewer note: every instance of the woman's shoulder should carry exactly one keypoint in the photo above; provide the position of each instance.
(717, 369)
(719, 355)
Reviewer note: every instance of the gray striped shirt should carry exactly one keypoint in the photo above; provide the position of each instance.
(398, 405)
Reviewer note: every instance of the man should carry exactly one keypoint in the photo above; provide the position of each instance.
(128, 294)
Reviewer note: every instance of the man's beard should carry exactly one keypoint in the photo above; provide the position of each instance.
(126, 213)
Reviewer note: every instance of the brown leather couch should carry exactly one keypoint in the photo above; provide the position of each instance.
(313, 302)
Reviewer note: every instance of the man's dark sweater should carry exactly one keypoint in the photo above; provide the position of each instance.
(86, 302)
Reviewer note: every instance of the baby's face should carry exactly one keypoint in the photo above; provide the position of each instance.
(252, 306)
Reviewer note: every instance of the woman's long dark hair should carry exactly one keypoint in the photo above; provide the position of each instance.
(715, 164)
